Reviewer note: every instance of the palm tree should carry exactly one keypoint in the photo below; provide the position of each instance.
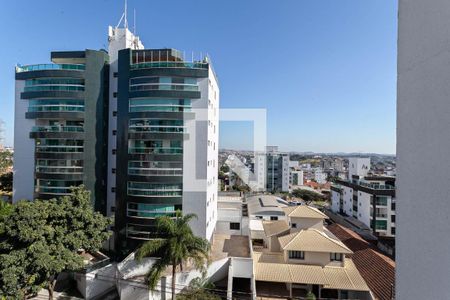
(179, 245)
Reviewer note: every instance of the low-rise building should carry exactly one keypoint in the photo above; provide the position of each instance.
(299, 255)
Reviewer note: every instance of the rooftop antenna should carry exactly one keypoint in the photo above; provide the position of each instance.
(134, 21)
(124, 17)
(125, 23)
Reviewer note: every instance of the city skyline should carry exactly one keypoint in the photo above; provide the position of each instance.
(351, 43)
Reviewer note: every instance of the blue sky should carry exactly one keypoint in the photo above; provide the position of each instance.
(325, 70)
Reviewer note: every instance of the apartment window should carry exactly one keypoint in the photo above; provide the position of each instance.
(113, 189)
(294, 225)
(297, 254)
(115, 94)
(115, 74)
(336, 256)
(114, 151)
(259, 217)
(273, 218)
(113, 208)
(235, 226)
(393, 218)
(114, 132)
(113, 170)
(393, 230)
(114, 113)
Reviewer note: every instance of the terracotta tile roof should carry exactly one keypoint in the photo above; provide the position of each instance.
(271, 267)
(304, 211)
(312, 240)
(377, 269)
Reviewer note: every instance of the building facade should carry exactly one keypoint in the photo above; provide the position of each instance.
(272, 170)
(60, 132)
(138, 127)
(361, 196)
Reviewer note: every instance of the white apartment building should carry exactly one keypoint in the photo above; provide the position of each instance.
(359, 197)
(320, 176)
(271, 169)
(152, 152)
(296, 177)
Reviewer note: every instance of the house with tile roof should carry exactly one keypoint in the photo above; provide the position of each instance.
(300, 255)
(377, 269)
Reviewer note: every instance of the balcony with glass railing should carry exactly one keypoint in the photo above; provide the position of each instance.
(55, 190)
(56, 108)
(148, 150)
(379, 215)
(59, 169)
(154, 192)
(59, 149)
(42, 67)
(156, 128)
(57, 129)
(158, 108)
(169, 64)
(155, 171)
(146, 189)
(163, 87)
(373, 186)
(53, 87)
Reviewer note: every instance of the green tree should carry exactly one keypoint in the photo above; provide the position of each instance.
(5, 160)
(6, 182)
(44, 236)
(310, 296)
(199, 289)
(178, 245)
(306, 195)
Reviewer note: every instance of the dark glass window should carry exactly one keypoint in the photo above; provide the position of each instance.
(336, 256)
(235, 226)
(297, 254)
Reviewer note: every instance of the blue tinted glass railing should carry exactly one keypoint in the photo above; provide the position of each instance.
(49, 108)
(144, 108)
(59, 170)
(164, 87)
(169, 64)
(162, 129)
(59, 149)
(155, 171)
(40, 67)
(144, 150)
(153, 193)
(40, 88)
(58, 129)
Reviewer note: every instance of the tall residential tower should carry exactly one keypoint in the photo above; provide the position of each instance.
(138, 127)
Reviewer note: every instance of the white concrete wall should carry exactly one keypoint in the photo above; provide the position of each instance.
(335, 198)
(96, 282)
(285, 174)
(119, 39)
(23, 178)
(200, 159)
(305, 223)
(364, 207)
(348, 200)
(358, 166)
(423, 143)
